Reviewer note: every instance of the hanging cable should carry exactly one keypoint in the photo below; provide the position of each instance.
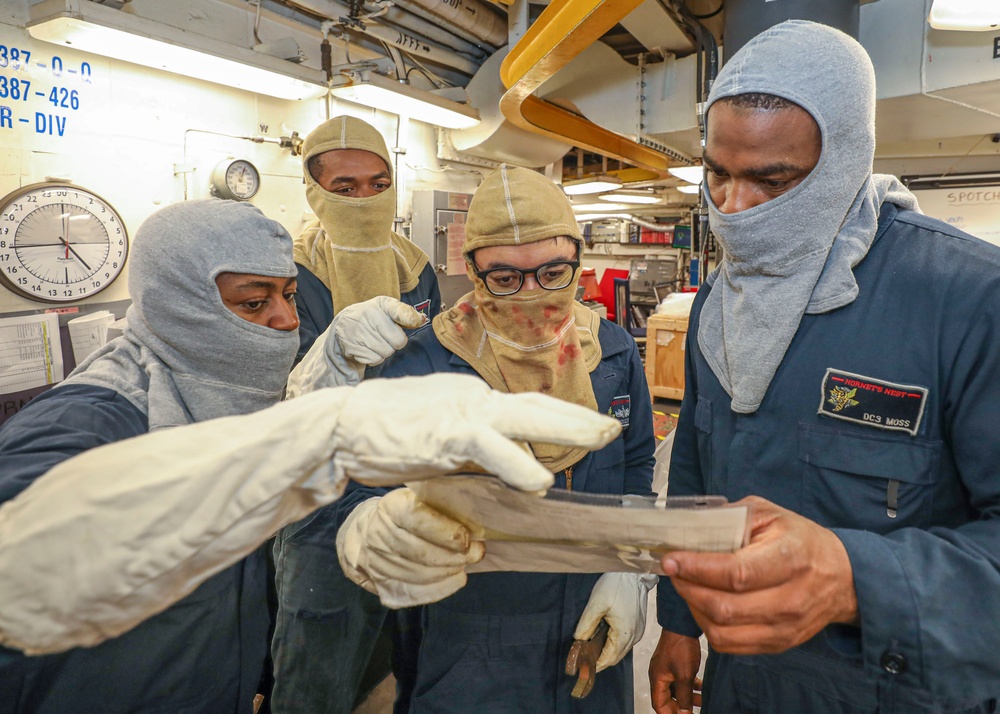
(398, 65)
(429, 74)
(347, 48)
(423, 72)
(256, 23)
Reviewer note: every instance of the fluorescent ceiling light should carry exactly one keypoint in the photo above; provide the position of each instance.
(87, 26)
(585, 217)
(689, 188)
(599, 207)
(594, 184)
(373, 90)
(691, 174)
(964, 15)
(621, 197)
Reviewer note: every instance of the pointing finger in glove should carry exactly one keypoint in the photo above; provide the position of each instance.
(441, 423)
(370, 331)
(536, 417)
(362, 334)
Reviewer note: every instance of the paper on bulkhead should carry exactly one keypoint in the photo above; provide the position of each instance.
(30, 352)
(570, 532)
(89, 332)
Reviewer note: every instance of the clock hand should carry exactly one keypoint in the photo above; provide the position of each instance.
(69, 249)
(65, 228)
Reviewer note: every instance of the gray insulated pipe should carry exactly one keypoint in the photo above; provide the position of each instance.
(474, 16)
(745, 19)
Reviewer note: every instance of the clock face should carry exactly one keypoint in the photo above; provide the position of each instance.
(59, 243)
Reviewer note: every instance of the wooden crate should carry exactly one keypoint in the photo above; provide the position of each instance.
(665, 336)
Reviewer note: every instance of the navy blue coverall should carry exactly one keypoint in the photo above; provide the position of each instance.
(881, 424)
(327, 626)
(499, 644)
(202, 655)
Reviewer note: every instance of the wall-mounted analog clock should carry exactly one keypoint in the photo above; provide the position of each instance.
(59, 243)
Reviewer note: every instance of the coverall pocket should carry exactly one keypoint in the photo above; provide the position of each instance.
(487, 664)
(869, 481)
(802, 681)
(609, 469)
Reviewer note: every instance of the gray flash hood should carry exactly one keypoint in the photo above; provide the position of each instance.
(184, 356)
(795, 254)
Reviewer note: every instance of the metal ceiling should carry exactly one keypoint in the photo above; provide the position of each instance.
(937, 91)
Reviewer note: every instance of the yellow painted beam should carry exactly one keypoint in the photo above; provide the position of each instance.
(633, 175)
(561, 32)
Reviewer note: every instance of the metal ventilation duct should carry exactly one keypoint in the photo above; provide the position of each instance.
(496, 138)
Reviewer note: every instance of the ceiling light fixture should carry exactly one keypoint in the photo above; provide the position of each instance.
(593, 184)
(599, 207)
(689, 188)
(691, 174)
(587, 217)
(89, 27)
(634, 198)
(970, 15)
(373, 90)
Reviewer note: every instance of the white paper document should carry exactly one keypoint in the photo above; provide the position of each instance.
(116, 329)
(89, 332)
(30, 352)
(566, 532)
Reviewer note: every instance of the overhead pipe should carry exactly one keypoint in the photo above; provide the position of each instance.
(563, 30)
(413, 45)
(403, 18)
(401, 38)
(472, 15)
(413, 8)
(322, 8)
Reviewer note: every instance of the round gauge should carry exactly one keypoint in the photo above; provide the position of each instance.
(59, 243)
(236, 179)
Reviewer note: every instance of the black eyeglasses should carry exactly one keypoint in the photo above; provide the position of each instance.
(550, 276)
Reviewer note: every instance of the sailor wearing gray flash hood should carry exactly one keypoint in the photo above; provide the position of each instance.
(840, 378)
(151, 476)
(169, 363)
(794, 254)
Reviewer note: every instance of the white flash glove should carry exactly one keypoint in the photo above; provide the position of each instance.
(396, 430)
(405, 551)
(89, 550)
(621, 599)
(118, 533)
(361, 335)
